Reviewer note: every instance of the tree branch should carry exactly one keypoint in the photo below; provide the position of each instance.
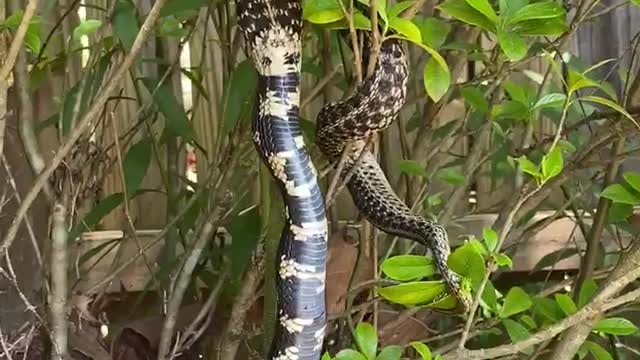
(16, 44)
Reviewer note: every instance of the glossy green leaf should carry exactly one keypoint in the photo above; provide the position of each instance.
(587, 292)
(528, 167)
(422, 349)
(513, 45)
(413, 293)
(529, 321)
(468, 262)
(93, 218)
(349, 354)
(406, 28)
(436, 79)
(434, 32)
(325, 16)
(510, 7)
(503, 260)
(475, 98)
(490, 296)
(598, 352)
(552, 163)
(537, 11)
(566, 304)
(517, 332)
(490, 238)
(237, 97)
(408, 267)
(550, 101)
(398, 8)
(548, 308)
(516, 301)
(633, 179)
(86, 27)
(367, 340)
(621, 194)
(411, 167)
(326, 356)
(391, 352)
(485, 8)
(124, 23)
(541, 27)
(619, 212)
(615, 326)
(175, 117)
(554, 258)
(448, 303)
(322, 11)
(135, 165)
(462, 11)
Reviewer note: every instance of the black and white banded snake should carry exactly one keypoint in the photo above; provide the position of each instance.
(273, 31)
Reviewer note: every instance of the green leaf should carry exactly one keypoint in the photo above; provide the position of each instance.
(541, 27)
(516, 302)
(391, 352)
(632, 179)
(349, 354)
(367, 340)
(398, 8)
(408, 267)
(447, 303)
(174, 7)
(554, 258)
(468, 262)
(436, 79)
(548, 308)
(237, 97)
(381, 6)
(620, 194)
(503, 260)
(550, 101)
(422, 349)
(86, 27)
(406, 28)
(325, 16)
(615, 326)
(552, 163)
(176, 119)
(598, 352)
(528, 320)
(451, 175)
(124, 23)
(135, 165)
(566, 304)
(587, 291)
(510, 109)
(619, 212)
(512, 44)
(476, 98)
(490, 296)
(517, 332)
(537, 11)
(413, 293)
(411, 167)
(102, 209)
(326, 356)
(635, 2)
(485, 8)
(461, 10)
(434, 32)
(528, 167)
(490, 238)
(510, 7)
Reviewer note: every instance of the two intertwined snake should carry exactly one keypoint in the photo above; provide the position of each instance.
(272, 29)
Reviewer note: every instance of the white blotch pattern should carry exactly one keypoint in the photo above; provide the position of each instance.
(309, 229)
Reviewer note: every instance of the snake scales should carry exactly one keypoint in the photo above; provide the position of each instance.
(272, 29)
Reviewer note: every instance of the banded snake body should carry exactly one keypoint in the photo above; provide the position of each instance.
(273, 31)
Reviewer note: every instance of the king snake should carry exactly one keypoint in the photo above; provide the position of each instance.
(273, 31)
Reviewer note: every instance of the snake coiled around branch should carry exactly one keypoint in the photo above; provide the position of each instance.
(272, 29)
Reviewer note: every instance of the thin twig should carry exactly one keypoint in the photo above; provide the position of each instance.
(59, 288)
(16, 44)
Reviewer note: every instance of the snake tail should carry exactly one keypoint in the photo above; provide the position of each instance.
(372, 108)
(272, 30)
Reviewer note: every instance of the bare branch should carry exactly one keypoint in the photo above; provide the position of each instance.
(18, 39)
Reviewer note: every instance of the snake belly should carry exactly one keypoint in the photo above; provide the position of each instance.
(272, 29)
(372, 108)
